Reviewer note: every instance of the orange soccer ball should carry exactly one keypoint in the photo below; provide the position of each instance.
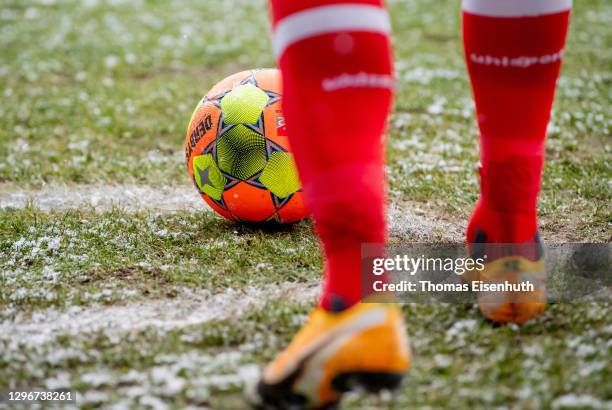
(238, 153)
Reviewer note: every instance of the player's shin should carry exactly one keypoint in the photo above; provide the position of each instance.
(338, 85)
(513, 51)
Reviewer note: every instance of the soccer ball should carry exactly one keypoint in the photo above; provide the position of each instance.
(238, 154)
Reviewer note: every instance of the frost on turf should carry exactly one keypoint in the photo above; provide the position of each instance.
(48, 341)
(95, 95)
(103, 198)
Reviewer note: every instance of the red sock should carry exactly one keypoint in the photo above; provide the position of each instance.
(513, 50)
(336, 63)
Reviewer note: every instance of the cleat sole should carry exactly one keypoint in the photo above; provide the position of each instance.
(372, 382)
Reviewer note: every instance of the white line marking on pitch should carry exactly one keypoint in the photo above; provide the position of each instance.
(187, 309)
(104, 197)
(404, 219)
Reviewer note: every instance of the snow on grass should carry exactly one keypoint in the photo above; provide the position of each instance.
(580, 401)
(189, 348)
(409, 220)
(189, 308)
(405, 219)
(174, 345)
(100, 90)
(103, 198)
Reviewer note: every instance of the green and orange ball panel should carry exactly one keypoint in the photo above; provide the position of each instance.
(238, 154)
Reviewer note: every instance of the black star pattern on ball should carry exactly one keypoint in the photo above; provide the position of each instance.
(204, 175)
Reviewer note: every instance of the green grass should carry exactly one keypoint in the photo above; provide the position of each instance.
(97, 92)
(73, 257)
(460, 359)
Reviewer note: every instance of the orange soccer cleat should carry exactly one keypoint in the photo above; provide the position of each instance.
(519, 265)
(364, 346)
(516, 306)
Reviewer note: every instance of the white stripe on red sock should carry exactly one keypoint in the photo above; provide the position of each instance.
(328, 19)
(515, 8)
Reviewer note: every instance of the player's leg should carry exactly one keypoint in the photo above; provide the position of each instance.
(336, 63)
(337, 92)
(513, 51)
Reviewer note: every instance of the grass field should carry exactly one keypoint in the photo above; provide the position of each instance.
(163, 304)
